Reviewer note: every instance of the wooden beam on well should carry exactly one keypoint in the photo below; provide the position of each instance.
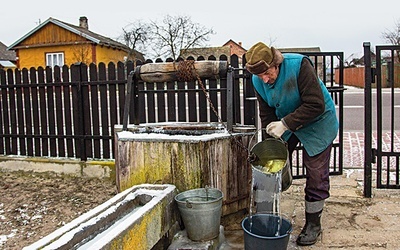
(167, 72)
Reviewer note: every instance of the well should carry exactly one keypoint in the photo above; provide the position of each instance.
(187, 155)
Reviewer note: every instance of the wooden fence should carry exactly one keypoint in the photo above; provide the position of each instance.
(71, 111)
(62, 112)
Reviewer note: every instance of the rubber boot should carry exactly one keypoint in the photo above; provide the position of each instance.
(312, 229)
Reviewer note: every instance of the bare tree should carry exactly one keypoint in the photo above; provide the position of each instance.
(176, 33)
(135, 36)
(393, 37)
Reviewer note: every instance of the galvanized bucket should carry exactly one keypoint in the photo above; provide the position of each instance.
(200, 210)
(272, 149)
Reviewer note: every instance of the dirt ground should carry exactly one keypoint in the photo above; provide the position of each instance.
(32, 205)
(349, 220)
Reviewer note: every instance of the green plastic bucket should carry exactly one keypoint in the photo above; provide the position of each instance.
(200, 210)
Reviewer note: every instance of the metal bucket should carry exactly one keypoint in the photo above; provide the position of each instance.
(200, 210)
(261, 234)
(268, 150)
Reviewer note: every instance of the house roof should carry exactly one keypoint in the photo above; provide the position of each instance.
(300, 49)
(7, 64)
(91, 36)
(231, 41)
(6, 54)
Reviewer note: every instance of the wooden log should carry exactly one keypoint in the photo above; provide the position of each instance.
(167, 72)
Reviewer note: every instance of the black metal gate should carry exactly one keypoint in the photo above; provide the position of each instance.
(237, 102)
(382, 75)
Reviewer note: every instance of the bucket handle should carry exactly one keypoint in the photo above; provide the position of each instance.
(253, 157)
(188, 204)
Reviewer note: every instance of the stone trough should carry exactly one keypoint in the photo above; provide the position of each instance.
(138, 218)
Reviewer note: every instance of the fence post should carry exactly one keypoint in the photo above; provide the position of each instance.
(76, 76)
(229, 99)
(367, 121)
(127, 101)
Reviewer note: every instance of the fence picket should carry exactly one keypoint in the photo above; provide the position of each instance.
(73, 111)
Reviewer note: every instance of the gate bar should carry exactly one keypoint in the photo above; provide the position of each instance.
(367, 121)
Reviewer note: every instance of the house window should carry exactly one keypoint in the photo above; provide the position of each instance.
(54, 59)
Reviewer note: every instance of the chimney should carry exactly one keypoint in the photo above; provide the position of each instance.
(240, 44)
(83, 22)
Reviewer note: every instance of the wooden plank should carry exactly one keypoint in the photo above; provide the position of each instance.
(151, 109)
(166, 72)
(161, 102)
(86, 113)
(6, 119)
(43, 112)
(113, 100)
(121, 90)
(2, 84)
(50, 111)
(13, 114)
(76, 106)
(59, 112)
(94, 96)
(213, 95)
(27, 112)
(181, 102)
(103, 111)
(171, 102)
(20, 113)
(67, 91)
(141, 100)
(192, 101)
(203, 103)
(35, 110)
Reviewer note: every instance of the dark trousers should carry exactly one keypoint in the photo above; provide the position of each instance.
(317, 171)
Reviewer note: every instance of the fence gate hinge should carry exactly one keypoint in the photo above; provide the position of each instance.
(374, 152)
(373, 75)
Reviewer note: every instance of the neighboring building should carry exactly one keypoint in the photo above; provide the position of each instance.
(205, 53)
(236, 48)
(7, 58)
(357, 60)
(226, 50)
(54, 42)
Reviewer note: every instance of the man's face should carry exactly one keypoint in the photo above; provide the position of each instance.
(270, 75)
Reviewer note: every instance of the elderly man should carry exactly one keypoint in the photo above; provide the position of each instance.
(295, 105)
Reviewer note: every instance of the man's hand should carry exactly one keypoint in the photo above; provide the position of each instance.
(276, 129)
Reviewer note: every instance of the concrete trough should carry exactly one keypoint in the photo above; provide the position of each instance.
(137, 218)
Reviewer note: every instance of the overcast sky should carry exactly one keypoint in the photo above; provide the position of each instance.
(334, 26)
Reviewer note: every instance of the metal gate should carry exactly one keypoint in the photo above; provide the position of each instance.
(382, 143)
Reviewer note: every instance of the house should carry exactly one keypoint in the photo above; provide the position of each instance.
(206, 53)
(357, 60)
(55, 42)
(226, 50)
(236, 49)
(7, 58)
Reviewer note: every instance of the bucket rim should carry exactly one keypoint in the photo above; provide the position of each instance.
(198, 189)
(288, 232)
(268, 139)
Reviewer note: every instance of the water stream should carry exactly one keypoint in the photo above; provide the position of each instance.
(273, 199)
